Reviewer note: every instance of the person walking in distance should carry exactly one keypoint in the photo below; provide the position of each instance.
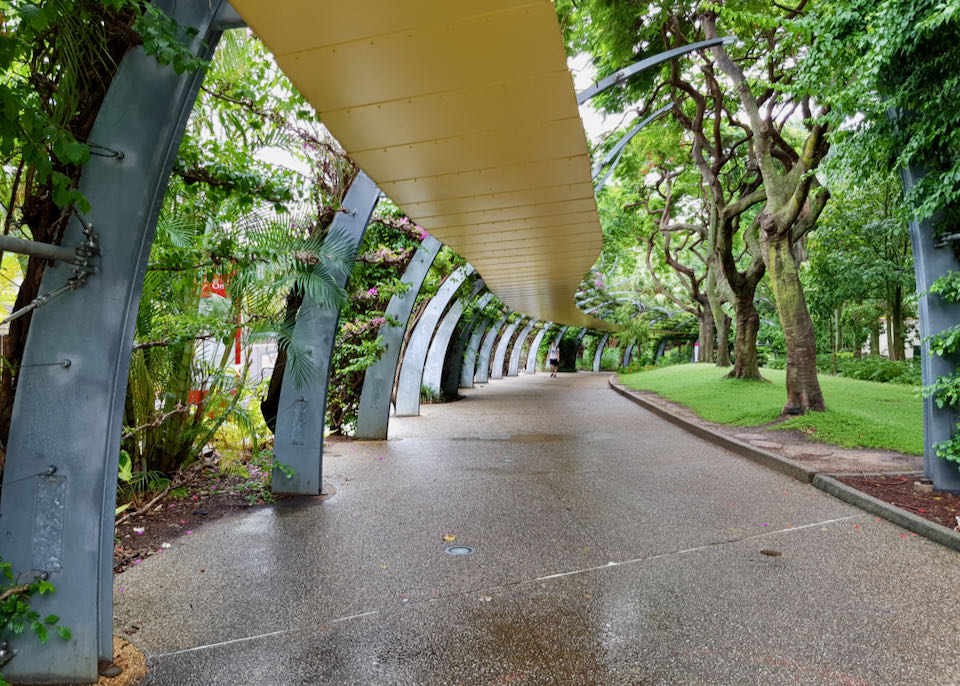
(553, 358)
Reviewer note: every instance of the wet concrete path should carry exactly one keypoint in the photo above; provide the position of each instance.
(610, 548)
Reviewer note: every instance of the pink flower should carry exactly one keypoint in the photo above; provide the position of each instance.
(373, 292)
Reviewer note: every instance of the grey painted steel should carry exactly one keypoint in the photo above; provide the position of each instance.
(627, 354)
(411, 370)
(468, 370)
(613, 157)
(931, 262)
(535, 348)
(625, 73)
(373, 413)
(472, 345)
(298, 439)
(22, 246)
(486, 348)
(563, 330)
(437, 353)
(513, 368)
(454, 364)
(71, 417)
(598, 355)
(581, 335)
(661, 348)
(500, 356)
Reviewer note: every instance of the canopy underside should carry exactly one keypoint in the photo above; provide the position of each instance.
(465, 115)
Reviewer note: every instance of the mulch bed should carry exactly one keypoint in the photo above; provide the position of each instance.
(941, 508)
(209, 495)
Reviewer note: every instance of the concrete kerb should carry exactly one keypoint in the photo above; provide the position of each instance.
(909, 521)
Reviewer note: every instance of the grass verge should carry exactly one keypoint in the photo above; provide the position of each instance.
(859, 413)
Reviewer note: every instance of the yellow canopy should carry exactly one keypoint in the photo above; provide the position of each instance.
(464, 114)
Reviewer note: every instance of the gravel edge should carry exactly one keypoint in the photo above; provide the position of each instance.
(907, 520)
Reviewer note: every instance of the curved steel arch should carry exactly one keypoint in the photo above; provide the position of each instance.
(486, 348)
(598, 355)
(373, 414)
(499, 357)
(143, 115)
(514, 366)
(437, 354)
(531, 367)
(453, 366)
(411, 369)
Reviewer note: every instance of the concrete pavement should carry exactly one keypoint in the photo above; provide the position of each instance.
(610, 547)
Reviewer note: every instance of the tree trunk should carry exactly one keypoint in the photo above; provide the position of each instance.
(720, 320)
(803, 387)
(896, 323)
(748, 324)
(875, 339)
(706, 335)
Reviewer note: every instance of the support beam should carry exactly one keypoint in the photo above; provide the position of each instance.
(535, 349)
(411, 370)
(514, 366)
(500, 356)
(563, 330)
(453, 367)
(486, 348)
(69, 415)
(298, 439)
(627, 354)
(437, 353)
(931, 262)
(598, 354)
(373, 413)
(613, 157)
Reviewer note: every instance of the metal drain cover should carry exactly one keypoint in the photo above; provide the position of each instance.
(458, 550)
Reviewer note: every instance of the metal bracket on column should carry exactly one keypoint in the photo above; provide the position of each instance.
(411, 370)
(61, 521)
(454, 364)
(531, 367)
(373, 414)
(298, 439)
(483, 363)
(935, 315)
(499, 357)
(598, 354)
(437, 354)
(514, 367)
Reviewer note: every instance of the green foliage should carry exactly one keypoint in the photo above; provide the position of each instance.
(871, 368)
(859, 414)
(946, 342)
(945, 391)
(871, 58)
(428, 395)
(947, 287)
(16, 614)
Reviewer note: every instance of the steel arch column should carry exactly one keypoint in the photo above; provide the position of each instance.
(453, 365)
(411, 370)
(81, 378)
(563, 330)
(483, 365)
(437, 353)
(301, 414)
(514, 367)
(931, 262)
(535, 348)
(598, 355)
(469, 368)
(373, 414)
(499, 357)
(627, 354)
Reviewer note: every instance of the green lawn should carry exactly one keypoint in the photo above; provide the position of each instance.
(859, 413)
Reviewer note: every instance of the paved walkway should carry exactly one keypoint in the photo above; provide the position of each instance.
(611, 548)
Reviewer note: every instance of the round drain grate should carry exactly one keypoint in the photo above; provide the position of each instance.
(458, 550)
